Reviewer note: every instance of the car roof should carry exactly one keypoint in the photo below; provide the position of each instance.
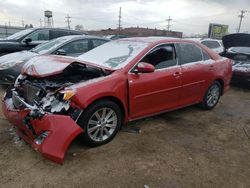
(155, 40)
(76, 37)
(61, 29)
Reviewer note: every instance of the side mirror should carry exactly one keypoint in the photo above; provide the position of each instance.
(27, 40)
(144, 67)
(60, 52)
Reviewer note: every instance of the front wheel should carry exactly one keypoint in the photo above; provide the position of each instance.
(212, 96)
(101, 121)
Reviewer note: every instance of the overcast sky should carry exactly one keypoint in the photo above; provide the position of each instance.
(189, 16)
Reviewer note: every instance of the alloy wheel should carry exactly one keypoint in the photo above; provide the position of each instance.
(102, 124)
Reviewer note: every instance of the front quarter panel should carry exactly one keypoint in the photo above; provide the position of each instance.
(113, 85)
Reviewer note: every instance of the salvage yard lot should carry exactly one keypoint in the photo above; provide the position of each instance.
(183, 148)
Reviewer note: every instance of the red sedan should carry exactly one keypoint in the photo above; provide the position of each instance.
(57, 98)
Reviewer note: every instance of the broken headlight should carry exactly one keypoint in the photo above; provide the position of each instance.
(67, 94)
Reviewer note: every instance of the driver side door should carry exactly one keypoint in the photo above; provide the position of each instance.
(152, 93)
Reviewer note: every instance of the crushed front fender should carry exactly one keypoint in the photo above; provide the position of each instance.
(60, 131)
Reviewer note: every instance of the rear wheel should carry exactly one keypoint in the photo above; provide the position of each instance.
(101, 121)
(212, 96)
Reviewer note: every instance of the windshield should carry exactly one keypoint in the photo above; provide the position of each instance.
(243, 50)
(19, 34)
(48, 46)
(114, 54)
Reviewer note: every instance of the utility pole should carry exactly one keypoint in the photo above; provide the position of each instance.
(41, 23)
(241, 16)
(68, 20)
(120, 20)
(168, 20)
(22, 23)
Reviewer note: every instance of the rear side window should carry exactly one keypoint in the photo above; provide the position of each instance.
(189, 53)
(161, 57)
(211, 44)
(76, 47)
(58, 33)
(74, 33)
(97, 42)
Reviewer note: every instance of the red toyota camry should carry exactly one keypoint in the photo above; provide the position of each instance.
(57, 98)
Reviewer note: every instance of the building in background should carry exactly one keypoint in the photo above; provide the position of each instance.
(137, 32)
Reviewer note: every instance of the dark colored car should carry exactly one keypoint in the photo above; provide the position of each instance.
(73, 45)
(57, 98)
(29, 38)
(238, 49)
(115, 37)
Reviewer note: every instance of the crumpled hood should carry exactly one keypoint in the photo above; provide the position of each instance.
(236, 40)
(43, 66)
(17, 57)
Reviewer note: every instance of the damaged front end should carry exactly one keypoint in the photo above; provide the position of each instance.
(43, 110)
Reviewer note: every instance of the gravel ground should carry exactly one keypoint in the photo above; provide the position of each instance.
(183, 148)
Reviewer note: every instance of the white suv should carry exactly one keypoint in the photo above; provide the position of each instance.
(215, 45)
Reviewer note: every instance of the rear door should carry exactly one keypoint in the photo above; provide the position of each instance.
(151, 93)
(196, 69)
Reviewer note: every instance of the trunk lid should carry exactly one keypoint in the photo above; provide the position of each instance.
(236, 40)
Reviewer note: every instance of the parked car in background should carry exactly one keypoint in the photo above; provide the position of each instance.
(29, 38)
(57, 98)
(115, 37)
(237, 48)
(73, 45)
(213, 44)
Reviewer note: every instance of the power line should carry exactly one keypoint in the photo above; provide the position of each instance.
(241, 16)
(68, 20)
(169, 20)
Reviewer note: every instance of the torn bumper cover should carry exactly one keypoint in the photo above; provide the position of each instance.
(47, 133)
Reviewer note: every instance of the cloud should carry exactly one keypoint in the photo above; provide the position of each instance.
(189, 16)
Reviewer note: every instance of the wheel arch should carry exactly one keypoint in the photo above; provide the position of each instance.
(115, 100)
(222, 83)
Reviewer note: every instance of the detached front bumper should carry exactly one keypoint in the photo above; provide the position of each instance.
(50, 134)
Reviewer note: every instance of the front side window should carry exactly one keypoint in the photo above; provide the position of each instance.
(161, 57)
(40, 35)
(189, 53)
(76, 47)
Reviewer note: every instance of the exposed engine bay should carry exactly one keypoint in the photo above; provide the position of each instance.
(47, 94)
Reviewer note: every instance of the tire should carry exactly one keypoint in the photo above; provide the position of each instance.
(212, 96)
(101, 122)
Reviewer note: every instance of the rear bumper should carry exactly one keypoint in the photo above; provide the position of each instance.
(60, 130)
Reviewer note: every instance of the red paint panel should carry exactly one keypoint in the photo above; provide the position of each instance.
(62, 130)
